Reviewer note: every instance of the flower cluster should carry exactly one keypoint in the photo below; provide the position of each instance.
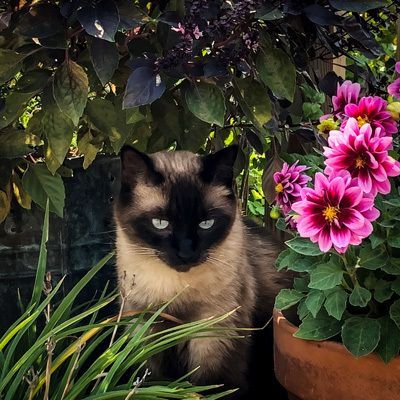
(288, 184)
(339, 209)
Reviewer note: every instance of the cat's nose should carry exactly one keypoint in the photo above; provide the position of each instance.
(185, 251)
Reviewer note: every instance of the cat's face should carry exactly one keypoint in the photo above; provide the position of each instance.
(176, 206)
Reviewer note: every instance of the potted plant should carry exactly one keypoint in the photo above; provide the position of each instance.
(346, 251)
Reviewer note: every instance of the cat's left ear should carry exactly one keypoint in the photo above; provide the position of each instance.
(137, 166)
(218, 167)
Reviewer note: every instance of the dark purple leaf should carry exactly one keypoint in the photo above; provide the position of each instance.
(255, 141)
(321, 15)
(306, 134)
(357, 5)
(100, 19)
(130, 14)
(214, 68)
(171, 18)
(144, 86)
(105, 59)
(365, 38)
(328, 83)
(141, 62)
(41, 21)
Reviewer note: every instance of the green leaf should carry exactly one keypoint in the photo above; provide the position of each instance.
(303, 264)
(10, 64)
(360, 296)
(304, 246)
(361, 335)
(301, 284)
(314, 301)
(335, 303)
(14, 106)
(254, 101)
(17, 143)
(103, 114)
(286, 258)
(42, 261)
(312, 95)
(23, 198)
(206, 102)
(89, 148)
(394, 312)
(276, 70)
(195, 132)
(392, 267)
(58, 129)
(396, 286)
(5, 203)
(287, 298)
(33, 81)
(311, 111)
(376, 240)
(389, 344)
(281, 224)
(383, 290)
(302, 310)
(373, 259)
(326, 276)
(41, 184)
(394, 241)
(70, 89)
(133, 115)
(322, 327)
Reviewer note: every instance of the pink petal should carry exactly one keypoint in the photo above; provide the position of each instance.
(324, 240)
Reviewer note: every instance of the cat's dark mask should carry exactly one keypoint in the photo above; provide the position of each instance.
(177, 205)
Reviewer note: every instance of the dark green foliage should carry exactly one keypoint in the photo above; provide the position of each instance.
(82, 78)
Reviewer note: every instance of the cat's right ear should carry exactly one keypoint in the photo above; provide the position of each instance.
(137, 166)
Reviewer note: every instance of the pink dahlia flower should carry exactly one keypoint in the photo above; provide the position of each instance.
(347, 92)
(397, 67)
(335, 213)
(372, 110)
(394, 88)
(364, 154)
(288, 183)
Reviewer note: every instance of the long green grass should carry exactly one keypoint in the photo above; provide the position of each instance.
(60, 350)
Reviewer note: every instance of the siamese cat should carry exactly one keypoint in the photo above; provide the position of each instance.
(179, 229)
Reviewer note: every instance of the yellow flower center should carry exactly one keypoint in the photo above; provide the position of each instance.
(330, 213)
(279, 188)
(362, 120)
(360, 162)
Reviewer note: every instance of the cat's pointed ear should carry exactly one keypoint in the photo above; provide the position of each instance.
(136, 166)
(218, 167)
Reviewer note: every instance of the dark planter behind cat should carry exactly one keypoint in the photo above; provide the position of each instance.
(76, 242)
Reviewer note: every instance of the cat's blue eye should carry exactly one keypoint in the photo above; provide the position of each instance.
(159, 223)
(207, 224)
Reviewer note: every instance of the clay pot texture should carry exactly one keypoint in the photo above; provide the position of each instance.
(312, 370)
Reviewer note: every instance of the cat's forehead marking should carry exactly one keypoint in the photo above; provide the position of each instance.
(150, 196)
(177, 163)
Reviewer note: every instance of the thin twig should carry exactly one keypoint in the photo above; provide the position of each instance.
(67, 384)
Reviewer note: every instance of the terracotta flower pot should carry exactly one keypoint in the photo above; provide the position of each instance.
(325, 370)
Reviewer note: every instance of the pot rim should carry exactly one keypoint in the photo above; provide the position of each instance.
(285, 325)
